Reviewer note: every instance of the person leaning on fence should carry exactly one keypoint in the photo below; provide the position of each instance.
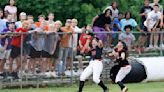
(151, 25)
(120, 52)
(37, 43)
(127, 37)
(4, 55)
(84, 47)
(16, 49)
(95, 66)
(101, 23)
(64, 46)
(50, 43)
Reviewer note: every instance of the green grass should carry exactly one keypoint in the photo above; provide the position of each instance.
(139, 87)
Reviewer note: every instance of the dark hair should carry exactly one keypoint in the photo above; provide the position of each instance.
(96, 38)
(129, 13)
(125, 48)
(107, 11)
(128, 26)
(120, 13)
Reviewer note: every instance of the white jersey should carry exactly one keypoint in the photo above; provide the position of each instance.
(153, 18)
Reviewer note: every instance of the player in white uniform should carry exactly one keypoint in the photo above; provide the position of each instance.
(120, 52)
(95, 66)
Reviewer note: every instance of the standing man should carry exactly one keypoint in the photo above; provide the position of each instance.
(151, 25)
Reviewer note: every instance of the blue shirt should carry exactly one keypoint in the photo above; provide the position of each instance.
(125, 22)
(6, 38)
(116, 22)
(2, 25)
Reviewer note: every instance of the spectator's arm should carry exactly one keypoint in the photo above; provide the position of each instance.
(107, 27)
(148, 26)
(100, 44)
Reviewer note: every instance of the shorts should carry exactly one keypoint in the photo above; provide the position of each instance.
(15, 52)
(5, 54)
(56, 53)
(145, 33)
(34, 53)
(45, 54)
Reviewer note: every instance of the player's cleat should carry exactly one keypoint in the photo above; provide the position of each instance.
(125, 89)
(107, 90)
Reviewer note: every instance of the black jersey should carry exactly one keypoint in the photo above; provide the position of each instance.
(122, 60)
(96, 53)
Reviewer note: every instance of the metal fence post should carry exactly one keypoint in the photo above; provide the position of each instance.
(21, 59)
(72, 60)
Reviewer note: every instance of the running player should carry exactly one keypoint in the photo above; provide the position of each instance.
(95, 66)
(120, 52)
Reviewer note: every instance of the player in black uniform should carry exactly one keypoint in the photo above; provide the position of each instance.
(121, 53)
(95, 66)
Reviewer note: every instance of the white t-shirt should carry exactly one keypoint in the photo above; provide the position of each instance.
(114, 11)
(11, 9)
(153, 18)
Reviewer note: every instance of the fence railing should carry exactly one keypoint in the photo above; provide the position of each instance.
(39, 79)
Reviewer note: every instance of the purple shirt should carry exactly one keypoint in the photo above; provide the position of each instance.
(4, 39)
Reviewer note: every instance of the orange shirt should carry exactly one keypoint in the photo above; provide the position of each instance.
(65, 39)
(38, 25)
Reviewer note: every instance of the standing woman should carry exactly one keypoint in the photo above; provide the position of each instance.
(12, 9)
(121, 54)
(95, 66)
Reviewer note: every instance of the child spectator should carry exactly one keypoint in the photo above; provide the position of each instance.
(16, 49)
(127, 37)
(5, 54)
(84, 46)
(50, 19)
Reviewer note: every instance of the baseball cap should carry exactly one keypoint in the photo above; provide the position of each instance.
(22, 14)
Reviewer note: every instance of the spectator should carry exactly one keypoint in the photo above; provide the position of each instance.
(160, 25)
(128, 20)
(143, 37)
(37, 44)
(114, 9)
(77, 30)
(41, 19)
(30, 19)
(2, 23)
(127, 37)
(50, 19)
(2, 51)
(8, 19)
(12, 9)
(16, 49)
(64, 46)
(6, 45)
(151, 25)
(22, 17)
(101, 23)
(117, 26)
(84, 46)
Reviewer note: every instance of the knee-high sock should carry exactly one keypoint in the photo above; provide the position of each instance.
(121, 84)
(101, 84)
(81, 85)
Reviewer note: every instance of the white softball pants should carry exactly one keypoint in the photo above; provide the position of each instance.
(122, 73)
(95, 67)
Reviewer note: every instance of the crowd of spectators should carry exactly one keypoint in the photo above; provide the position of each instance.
(51, 44)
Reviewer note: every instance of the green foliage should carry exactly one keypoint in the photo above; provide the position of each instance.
(83, 10)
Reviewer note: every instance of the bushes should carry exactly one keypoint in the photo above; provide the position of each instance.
(83, 10)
